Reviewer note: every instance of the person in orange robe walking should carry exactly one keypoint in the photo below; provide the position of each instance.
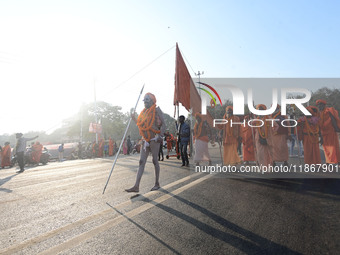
(36, 152)
(201, 137)
(329, 125)
(231, 136)
(6, 155)
(101, 148)
(247, 141)
(111, 146)
(94, 149)
(308, 131)
(262, 135)
(169, 138)
(279, 137)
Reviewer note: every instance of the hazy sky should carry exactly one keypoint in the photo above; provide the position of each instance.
(53, 52)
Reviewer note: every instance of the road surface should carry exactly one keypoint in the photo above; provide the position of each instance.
(59, 209)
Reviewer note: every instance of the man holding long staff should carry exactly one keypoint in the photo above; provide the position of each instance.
(151, 127)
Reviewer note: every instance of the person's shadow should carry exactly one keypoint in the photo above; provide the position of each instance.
(243, 240)
(251, 243)
(3, 181)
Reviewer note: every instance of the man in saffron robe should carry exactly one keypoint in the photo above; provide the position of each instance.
(151, 127)
(94, 149)
(279, 137)
(308, 131)
(329, 125)
(247, 141)
(169, 138)
(101, 147)
(262, 133)
(231, 137)
(111, 146)
(36, 152)
(201, 139)
(124, 147)
(6, 155)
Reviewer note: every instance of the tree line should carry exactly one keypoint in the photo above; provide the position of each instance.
(112, 119)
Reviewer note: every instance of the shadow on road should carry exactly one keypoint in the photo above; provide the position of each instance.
(3, 181)
(321, 188)
(256, 245)
(145, 230)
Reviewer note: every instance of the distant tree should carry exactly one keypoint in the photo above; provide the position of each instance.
(332, 97)
(113, 121)
(170, 123)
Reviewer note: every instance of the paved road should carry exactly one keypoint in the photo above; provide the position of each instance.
(59, 208)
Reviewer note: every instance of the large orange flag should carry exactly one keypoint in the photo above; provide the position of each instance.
(185, 90)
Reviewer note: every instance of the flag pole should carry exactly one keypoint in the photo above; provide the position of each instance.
(254, 145)
(122, 141)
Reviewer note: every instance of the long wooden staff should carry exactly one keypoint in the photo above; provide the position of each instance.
(122, 141)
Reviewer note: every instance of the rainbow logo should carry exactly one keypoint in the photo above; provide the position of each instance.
(209, 93)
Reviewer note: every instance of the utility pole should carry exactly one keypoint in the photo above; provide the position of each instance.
(199, 80)
(95, 108)
(81, 123)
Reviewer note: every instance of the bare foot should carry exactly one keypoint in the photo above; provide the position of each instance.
(133, 189)
(156, 187)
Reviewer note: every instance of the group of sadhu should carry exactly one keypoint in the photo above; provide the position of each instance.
(6, 153)
(102, 148)
(265, 144)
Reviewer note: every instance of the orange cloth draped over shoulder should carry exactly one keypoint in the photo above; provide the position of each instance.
(146, 120)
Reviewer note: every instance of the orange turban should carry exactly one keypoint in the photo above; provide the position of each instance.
(152, 96)
(261, 105)
(320, 101)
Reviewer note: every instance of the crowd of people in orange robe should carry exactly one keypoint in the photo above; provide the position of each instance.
(102, 148)
(267, 144)
(264, 144)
